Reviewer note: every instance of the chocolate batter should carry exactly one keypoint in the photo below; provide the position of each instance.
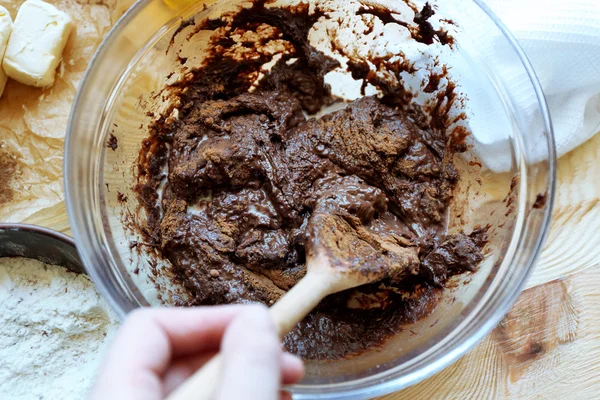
(250, 180)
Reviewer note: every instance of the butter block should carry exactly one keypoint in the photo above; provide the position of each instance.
(5, 29)
(35, 47)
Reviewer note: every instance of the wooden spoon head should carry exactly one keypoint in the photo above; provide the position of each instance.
(352, 255)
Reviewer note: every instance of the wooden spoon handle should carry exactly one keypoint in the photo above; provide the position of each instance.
(300, 300)
(202, 384)
(291, 308)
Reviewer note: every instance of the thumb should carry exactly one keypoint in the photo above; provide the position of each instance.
(251, 357)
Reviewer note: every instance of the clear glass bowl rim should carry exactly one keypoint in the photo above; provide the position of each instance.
(373, 386)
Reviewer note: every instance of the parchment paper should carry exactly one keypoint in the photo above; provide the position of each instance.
(33, 121)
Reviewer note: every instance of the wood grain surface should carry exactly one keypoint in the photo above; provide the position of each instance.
(547, 347)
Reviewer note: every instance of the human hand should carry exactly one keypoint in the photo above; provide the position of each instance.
(157, 349)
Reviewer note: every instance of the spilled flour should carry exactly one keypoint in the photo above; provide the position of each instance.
(54, 330)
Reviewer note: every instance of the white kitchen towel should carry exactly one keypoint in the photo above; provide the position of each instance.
(562, 40)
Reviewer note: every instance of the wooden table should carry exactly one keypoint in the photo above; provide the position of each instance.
(548, 346)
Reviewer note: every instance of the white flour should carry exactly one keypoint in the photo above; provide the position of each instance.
(54, 330)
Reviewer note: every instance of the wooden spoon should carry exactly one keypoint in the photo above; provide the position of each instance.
(342, 255)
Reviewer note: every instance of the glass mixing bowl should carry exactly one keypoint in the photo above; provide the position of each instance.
(129, 66)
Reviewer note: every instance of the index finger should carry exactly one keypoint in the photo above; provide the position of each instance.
(150, 338)
(193, 330)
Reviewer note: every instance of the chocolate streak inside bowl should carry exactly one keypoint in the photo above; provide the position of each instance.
(247, 171)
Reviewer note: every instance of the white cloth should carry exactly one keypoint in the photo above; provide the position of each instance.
(562, 40)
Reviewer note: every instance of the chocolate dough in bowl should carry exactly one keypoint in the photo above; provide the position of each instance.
(236, 122)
